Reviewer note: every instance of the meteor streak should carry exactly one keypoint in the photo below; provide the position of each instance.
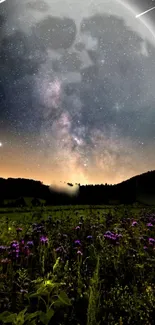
(145, 12)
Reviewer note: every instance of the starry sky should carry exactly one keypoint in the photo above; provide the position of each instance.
(77, 90)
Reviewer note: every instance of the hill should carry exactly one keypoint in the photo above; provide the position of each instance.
(139, 188)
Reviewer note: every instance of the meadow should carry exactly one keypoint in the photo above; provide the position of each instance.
(77, 265)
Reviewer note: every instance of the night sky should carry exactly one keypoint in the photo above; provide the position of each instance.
(77, 90)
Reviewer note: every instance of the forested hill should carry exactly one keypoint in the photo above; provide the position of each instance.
(140, 188)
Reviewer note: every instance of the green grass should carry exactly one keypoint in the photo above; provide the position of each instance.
(92, 282)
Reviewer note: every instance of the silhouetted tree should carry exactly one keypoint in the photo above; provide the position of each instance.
(20, 202)
(35, 202)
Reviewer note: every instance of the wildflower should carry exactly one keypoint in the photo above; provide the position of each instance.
(40, 227)
(30, 243)
(2, 248)
(19, 230)
(34, 225)
(134, 223)
(149, 224)
(108, 232)
(65, 235)
(79, 252)
(14, 245)
(119, 236)
(5, 261)
(78, 227)
(89, 237)
(26, 250)
(58, 249)
(43, 239)
(23, 291)
(110, 235)
(77, 242)
(151, 241)
(14, 242)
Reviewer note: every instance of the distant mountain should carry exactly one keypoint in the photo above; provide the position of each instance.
(140, 188)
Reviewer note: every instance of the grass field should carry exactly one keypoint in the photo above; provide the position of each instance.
(77, 265)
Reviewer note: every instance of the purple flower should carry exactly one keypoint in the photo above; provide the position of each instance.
(149, 224)
(23, 291)
(145, 247)
(14, 245)
(134, 223)
(108, 232)
(43, 239)
(79, 252)
(58, 249)
(78, 227)
(77, 242)
(89, 237)
(3, 248)
(119, 236)
(151, 241)
(30, 243)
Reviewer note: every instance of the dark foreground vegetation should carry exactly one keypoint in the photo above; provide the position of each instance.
(89, 268)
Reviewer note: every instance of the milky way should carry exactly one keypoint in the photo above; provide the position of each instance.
(76, 91)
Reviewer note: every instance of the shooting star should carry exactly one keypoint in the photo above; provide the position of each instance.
(145, 12)
(2, 1)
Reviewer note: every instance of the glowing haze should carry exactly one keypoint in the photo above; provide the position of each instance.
(76, 91)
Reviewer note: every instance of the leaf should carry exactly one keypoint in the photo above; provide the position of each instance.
(141, 266)
(58, 303)
(20, 319)
(49, 313)
(33, 322)
(32, 315)
(22, 312)
(10, 319)
(64, 298)
(33, 295)
(4, 314)
(55, 266)
(43, 318)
